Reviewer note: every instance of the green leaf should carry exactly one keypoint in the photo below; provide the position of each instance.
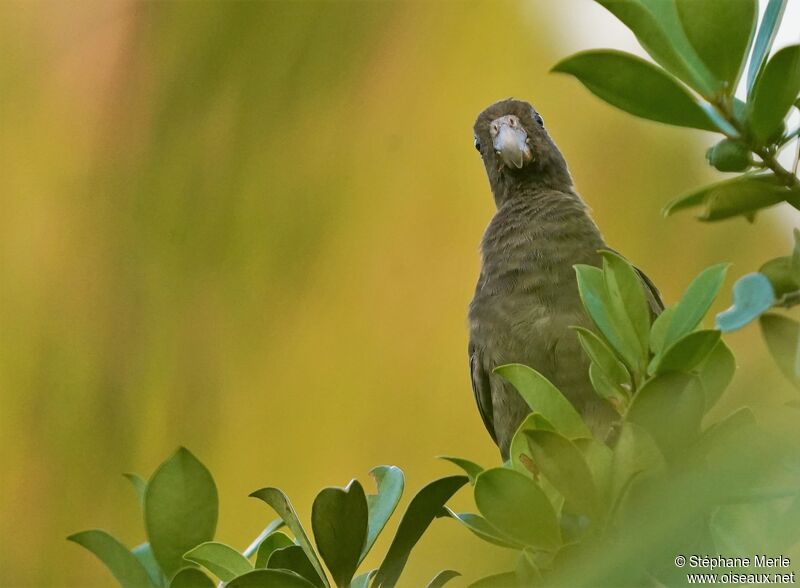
(565, 467)
(268, 530)
(781, 274)
(128, 571)
(339, 520)
(658, 331)
(745, 195)
(707, 24)
(390, 483)
(686, 353)
(269, 579)
(658, 29)
(481, 527)
(499, 494)
(605, 360)
(599, 458)
(144, 553)
(191, 578)
(363, 580)
(139, 486)
(280, 504)
(221, 560)
(544, 398)
(629, 309)
(595, 299)
(752, 296)
(720, 433)
(294, 559)
(694, 303)
(781, 335)
(423, 508)
(716, 372)
(180, 509)
(442, 578)
(738, 196)
(770, 24)
(272, 542)
(635, 453)
(669, 407)
(606, 389)
(775, 92)
(470, 468)
(637, 87)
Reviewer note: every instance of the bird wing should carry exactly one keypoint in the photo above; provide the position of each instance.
(481, 388)
(652, 293)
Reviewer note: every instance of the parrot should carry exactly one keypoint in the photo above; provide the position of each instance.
(526, 298)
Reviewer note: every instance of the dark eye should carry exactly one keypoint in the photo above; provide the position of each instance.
(477, 144)
(539, 120)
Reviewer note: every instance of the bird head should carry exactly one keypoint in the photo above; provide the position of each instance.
(516, 149)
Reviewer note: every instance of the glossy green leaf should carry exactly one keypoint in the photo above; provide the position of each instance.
(628, 306)
(470, 468)
(294, 559)
(781, 274)
(442, 578)
(635, 453)
(637, 87)
(221, 560)
(745, 195)
(738, 196)
(268, 530)
(599, 458)
(658, 330)
(770, 23)
(668, 404)
(781, 334)
(127, 570)
(775, 92)
(363, 580)
(481, 527)
(139, 486)
(606, 361)
(565, 467)
(669, 407)
(719, 434)
(339, 519)
(517, 507)
(180, 509)
(272, 542)
(390, 483)
(423, 508)
(144, 553)
(708, 23)
(752, 296)
(280, 503)
(544, 398)
(694, 303)
(592, 290)
(657, 27)
(606, 389)
(686, 353)
(269, 579)
(191, 578)
(716, 373)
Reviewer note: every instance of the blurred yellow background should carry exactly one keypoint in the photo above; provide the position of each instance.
(252, 229)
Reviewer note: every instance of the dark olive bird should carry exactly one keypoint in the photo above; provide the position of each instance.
(527, 294)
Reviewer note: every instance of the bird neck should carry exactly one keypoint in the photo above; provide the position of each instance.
(540, 176)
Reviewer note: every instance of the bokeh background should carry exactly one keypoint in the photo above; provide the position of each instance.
(252, 229)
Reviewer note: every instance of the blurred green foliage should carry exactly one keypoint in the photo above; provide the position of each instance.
(233, 225)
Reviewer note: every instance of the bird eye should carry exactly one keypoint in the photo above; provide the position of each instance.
(477, 144)
(539, 120)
